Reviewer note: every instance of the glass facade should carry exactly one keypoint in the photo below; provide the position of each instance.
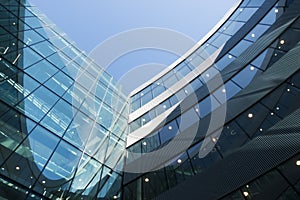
(250, 49)
(65, 124)
(61, 138)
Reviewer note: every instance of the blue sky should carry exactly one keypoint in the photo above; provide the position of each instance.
(91, 22)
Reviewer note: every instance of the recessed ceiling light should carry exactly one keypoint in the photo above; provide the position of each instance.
(142, 94)
(260, 129)
(272, 113)
(282, 41)
(245, 194)
(143, 119)
(17, 168)
(207, 75)
(229, 56)
(44, 182)
(164, 106)
(223, 90)
(277, 108)
(298, 162)
(214, 139)
(147, 180)
(252, 68)
(196, 109)
(276, 10)
(170, 127)
(253, 35)
(250, 115)
(115, 197)
(288, 89)
(144, 143)
(179, 161)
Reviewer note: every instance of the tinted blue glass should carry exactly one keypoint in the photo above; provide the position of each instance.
(135, 105)
(87, 169)
(170, 81)
(244, 77)
(187, 119)
(209, 74)
(61, 165)
(32, 37)
(29, 57)
(44, 48)
(59, 83)
(232, 27)
(42, 144)
(245, 14)
(223, 62)
(14, 134)
(195, 60)
(220, 40)
(255, 3)
(184, 70)
(146, 98)
(79, 130)
(207, 105)
(208, 49)
(150, 143)
(270, 18)
(31, 156)
(75, 95)
(145, 118)
(258, 62)
(38, 103)
(42, 71)
(168, 131)
(240, 47)
(59, 117)
(225, 93)
(56, 60)
(195, 84)
(33, 22)
(158, 90)
(256, 32)
(173, 100)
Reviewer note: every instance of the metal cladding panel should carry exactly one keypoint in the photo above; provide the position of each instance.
(245, 164)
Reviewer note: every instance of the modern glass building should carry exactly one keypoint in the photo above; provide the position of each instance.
(63, 121)
(222, 122)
